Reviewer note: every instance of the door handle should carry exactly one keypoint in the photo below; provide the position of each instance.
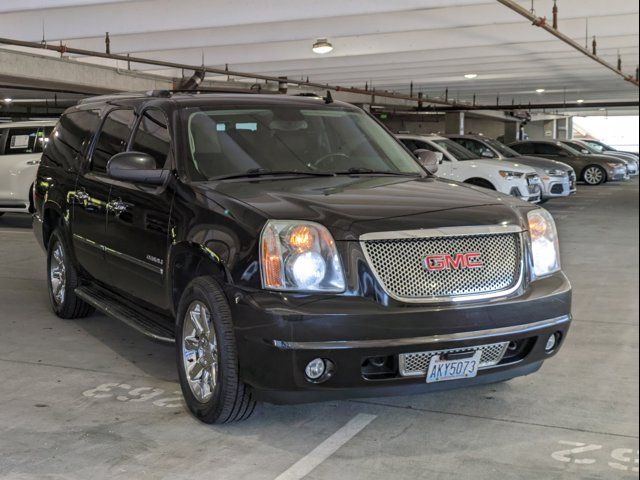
(117, 206)
(82, 196)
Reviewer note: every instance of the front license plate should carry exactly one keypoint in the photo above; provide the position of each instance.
(441, 370)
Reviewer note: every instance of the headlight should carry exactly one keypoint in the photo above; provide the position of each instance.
(545, 251)
(508, 174)
(615, 164)
(299, 256)
(555, 172)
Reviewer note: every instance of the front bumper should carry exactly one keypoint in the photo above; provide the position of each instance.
(277, 336)
(556, 186)
(617, 173)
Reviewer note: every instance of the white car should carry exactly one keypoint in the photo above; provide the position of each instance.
(461, 165)
(21, 145)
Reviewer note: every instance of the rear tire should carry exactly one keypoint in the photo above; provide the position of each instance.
(594, 175)
(62, 280)
(207, 356)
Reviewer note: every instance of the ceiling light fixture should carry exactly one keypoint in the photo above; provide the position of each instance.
(322, 46)
(580, 100)
(540, 90)
(471, 75)
(8, 100)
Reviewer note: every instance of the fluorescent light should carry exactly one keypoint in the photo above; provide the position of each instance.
(471, 75)
(8, 100)
(539, 90)
(580, 100)
(322, 46)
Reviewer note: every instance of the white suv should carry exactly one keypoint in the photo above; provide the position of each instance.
(21, 146)
(461, 165)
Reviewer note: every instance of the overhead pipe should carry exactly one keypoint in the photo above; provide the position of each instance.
(217, 71)
(534, 106)
(542, 23)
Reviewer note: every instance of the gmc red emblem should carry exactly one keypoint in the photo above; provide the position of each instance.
(459, 261)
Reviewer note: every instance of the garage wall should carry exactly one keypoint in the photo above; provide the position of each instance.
(425, 124)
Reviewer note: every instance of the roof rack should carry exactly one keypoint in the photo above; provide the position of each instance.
(167, 93)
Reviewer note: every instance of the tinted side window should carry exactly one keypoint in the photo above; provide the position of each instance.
(112, 138)
(152, 137)
(524, 148)
(410, 144)
(473, 146)
(546, 149)
(70, 138)
(21, 141)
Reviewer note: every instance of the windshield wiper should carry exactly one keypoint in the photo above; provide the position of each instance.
(259, 172)
(358, 171)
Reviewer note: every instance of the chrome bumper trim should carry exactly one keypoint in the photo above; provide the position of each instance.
(433, 339)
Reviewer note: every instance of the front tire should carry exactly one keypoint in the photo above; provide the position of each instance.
(594, 175)
(62, 280)
(207, 356)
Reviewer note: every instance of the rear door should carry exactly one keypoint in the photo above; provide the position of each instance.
(92, 194)
(138, 219)
(18, 164)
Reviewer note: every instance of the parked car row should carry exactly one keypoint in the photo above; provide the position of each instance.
(532, 170)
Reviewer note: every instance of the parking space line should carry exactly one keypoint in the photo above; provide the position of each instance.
(306, 464)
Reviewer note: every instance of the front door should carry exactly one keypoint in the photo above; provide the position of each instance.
(138, 220)
(91, 195)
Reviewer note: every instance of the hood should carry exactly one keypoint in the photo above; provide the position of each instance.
(350, 206)
(510, 164)
(602, 158)
(544, 163)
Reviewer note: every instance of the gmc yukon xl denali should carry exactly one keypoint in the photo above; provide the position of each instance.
(292, 249)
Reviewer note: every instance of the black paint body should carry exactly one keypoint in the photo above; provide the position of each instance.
(170, 234)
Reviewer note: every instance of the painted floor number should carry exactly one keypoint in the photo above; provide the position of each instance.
(623, 459)
(127, 393)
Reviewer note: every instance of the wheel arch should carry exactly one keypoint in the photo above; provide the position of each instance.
(480, 182)
(188, 260)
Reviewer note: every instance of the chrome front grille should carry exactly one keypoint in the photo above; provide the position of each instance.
(398, 262)
(416, 364)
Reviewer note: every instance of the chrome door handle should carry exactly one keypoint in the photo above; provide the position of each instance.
(82, 195)
(117, 206)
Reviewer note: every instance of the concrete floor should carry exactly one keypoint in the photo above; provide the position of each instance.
(93, 399)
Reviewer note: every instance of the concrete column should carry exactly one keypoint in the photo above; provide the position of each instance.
(511, 131)
(454, 123)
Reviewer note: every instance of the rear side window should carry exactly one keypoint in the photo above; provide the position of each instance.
(152, 137)
(547, 149)
(21, 141)
(112, 138)
(70, 138)
(523, 148)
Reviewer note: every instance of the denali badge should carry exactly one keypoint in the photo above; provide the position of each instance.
(459, 261)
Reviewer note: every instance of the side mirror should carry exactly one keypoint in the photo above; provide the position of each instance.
(486, 153)
(136, 167)
(428, 159)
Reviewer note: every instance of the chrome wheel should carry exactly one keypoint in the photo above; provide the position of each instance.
(200, 351)
(593, 175)
(57, 274)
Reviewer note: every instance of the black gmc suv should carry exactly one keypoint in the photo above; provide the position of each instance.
(292, 249)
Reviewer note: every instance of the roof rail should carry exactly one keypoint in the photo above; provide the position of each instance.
(166, 93)
(110, 96)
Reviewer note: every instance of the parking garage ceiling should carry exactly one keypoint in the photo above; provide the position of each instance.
(435, 44)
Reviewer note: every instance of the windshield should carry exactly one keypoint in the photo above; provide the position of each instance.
(458, 151)
(583, 148)
(502, 148)
(287, 139)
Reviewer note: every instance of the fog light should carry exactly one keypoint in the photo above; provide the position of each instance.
(315, 369)
(551, 343)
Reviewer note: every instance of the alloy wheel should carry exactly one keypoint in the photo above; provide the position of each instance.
(57, 274)
(593, 175)
(200, 351)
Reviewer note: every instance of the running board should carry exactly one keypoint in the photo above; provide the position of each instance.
(111, 306)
